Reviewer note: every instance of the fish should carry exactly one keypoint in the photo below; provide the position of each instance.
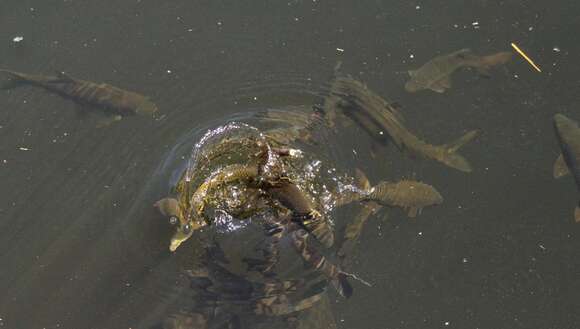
(560, 167)
(436, 74)
(383, 122)
(111, 99)
(410, 195)
(568, 136)
(353, 229)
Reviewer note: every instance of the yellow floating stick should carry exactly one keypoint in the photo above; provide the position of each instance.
(521, 52)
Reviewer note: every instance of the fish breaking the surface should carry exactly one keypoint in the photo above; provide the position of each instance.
(382, 120)
(436, 73)
(568, 135)
(111, 99)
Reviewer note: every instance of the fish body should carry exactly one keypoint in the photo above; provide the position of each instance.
(113, 99)
(436, 74)
(410, 195)
(383, 122)
(568, 135)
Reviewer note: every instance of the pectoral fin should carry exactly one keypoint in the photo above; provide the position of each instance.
(560, 167)
(413, 212)
(441, 85)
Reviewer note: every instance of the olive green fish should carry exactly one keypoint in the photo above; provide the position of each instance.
(436, 74)
(383, 122)
(111, 99)
(568, 135)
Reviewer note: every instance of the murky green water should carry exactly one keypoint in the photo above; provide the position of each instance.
(82, 247)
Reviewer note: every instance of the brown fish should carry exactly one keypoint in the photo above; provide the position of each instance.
(112, 99)
(383, 122)
(407, 194)
(436, 73)
(568, 135)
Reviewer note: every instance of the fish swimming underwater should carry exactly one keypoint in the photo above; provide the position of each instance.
(436, 73)
(383, 122)
(568, 135)
(113, 100)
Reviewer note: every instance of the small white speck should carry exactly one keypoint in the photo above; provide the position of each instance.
(219, 23)
(255, 98)
(420, 234)
(531, 28)
(4, 161)
(189, 30)
(476, 23)
(516, 76)
(411, 56)
(464, 260)
(32, 9)
(340, 50)
(18, 38)
(455, 25)
(556, 49)
(446, 323)
(354, 152)
(296, 19)
(169, 71)
(24, 148)
(417, 7)
(381, 132)
(541, 246)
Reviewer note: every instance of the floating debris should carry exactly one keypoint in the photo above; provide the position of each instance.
(514, 46)
(17, 38)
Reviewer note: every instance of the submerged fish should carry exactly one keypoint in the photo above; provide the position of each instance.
(410, 195)
(383, 122)
(117, 101)
(436, 73)
(568, 135)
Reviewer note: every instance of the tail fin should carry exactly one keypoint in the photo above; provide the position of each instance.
(341, 284)
(455, 160)
(15, 79)
(487, 62)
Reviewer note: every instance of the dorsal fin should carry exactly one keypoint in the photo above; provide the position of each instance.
(361, 180)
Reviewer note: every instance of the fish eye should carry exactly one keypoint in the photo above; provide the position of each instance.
(186, 228)
(173, 220)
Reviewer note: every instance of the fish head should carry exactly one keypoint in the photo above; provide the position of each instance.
(146, 107)
(177, 217)
(412, 86)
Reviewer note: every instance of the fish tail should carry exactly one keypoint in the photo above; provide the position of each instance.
(455, 160)
(341, 284)
(15, 79)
